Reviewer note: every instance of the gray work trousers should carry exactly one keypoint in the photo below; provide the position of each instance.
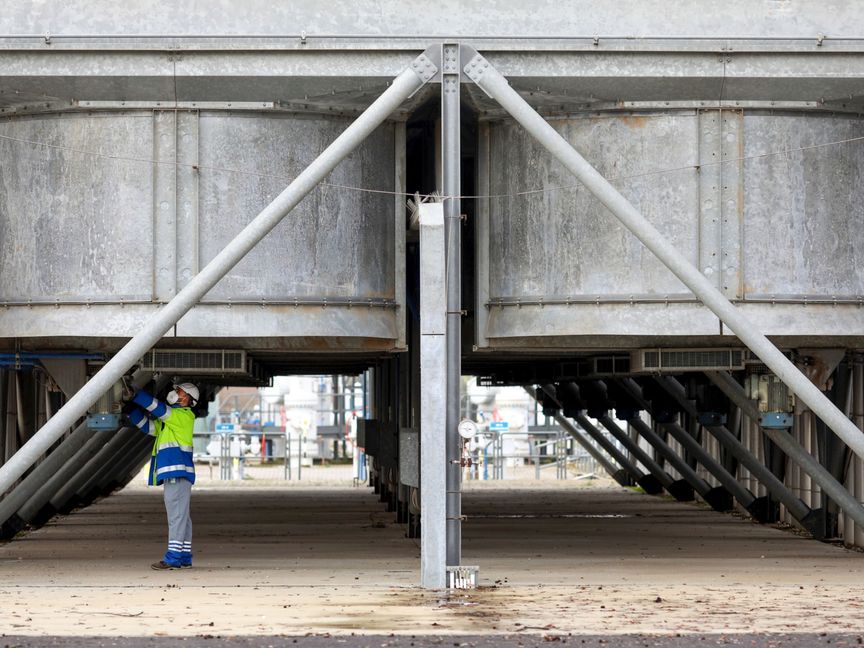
(178, 493)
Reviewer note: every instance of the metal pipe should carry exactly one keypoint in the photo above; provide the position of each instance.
(403, 86)
(135, 467)
(609, 447)
(59, 355)
(758, 470)
(30, 497)
(451, 186)
(111, 465)
(834, 489)
(495, 85)
(598, 456)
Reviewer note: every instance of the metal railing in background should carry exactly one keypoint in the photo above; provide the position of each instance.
(544, 450)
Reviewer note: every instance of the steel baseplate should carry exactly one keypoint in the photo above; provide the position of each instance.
(463, 576)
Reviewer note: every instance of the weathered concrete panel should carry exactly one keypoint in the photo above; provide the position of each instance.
(765, 204)
(75, 226)
(336, 243)
(803, 227)
(563, 242)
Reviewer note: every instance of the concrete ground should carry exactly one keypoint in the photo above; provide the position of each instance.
(565, 562)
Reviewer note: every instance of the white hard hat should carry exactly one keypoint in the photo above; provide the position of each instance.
(190, 389)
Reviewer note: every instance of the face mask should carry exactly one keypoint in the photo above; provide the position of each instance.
(172, 397)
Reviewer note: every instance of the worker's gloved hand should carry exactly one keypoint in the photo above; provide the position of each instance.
(128, 390)
(124, 411)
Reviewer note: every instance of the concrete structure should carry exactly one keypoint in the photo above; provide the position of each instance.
(726, 141)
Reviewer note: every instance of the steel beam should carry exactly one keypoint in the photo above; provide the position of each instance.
(687, 473)
(495, 85)
(403, 86)
(64, 499)
(619, 474)
(758, 509)
(830, 486)
(433, 398)
(691, 445)
(679, 489)
(648, 483)
(111, 467)
(27, 499)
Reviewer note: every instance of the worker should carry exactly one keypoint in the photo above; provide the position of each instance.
(171, 462)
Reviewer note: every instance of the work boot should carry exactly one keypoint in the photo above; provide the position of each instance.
(162, 565)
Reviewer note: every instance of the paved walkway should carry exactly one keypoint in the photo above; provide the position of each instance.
(562, 560)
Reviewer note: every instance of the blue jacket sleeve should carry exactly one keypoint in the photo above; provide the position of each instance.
(156, 407)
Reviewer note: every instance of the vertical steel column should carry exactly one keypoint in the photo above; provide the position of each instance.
(857, 466)
(11, 445)
(25, 394)
(421, 70)
(451, 188)
(495, 85)
(4, 427)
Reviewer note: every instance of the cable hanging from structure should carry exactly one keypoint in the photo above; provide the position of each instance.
(515, 194)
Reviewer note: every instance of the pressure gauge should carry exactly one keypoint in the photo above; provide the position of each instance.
(467, 428)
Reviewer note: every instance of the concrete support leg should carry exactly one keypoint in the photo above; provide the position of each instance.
(433, 403)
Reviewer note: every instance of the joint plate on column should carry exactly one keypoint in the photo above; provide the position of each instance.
(476, 67)
(424, 68)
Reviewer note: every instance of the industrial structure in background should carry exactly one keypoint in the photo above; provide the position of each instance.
(293, 191)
